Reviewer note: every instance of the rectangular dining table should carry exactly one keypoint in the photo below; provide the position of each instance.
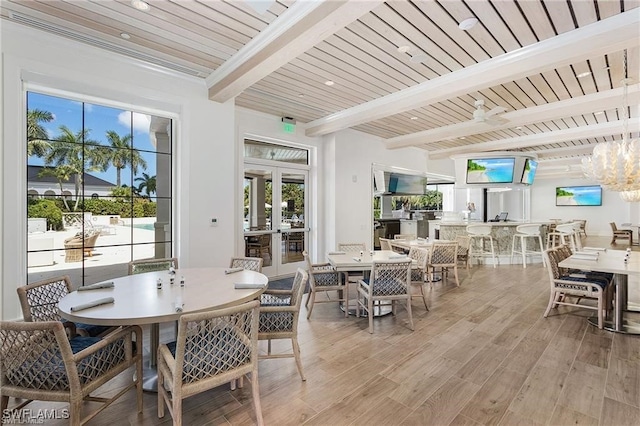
(626, 318)
(138, 300)
(347, 262)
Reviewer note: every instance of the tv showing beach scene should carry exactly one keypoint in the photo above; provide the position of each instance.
(579, 196)
(529, 171)
(490, 170)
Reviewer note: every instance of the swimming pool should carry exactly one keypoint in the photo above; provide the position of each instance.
(147, 226)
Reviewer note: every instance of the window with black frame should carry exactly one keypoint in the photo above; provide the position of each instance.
(99, 188)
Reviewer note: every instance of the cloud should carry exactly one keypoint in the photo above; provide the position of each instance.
(141, 122)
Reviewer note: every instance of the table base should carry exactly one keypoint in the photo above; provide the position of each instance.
(626, 326)
(149, 379)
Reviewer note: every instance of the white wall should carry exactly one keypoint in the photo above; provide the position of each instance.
(350, 155)
(205, 141)
(613, 209)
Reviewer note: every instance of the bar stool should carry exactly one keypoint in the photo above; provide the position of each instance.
(480, 233)
(561, 234)
(523, 233)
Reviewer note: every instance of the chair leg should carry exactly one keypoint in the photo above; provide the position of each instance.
(161, 394)
(493, 254)
(552, 299)
(523, 249)
(370, 313)
(75, 413)
(255, 392)
(424, 296)
(410, 314)
(296, 354)
(600, 316)
(455, 274)
(177, 408)
(312, 296)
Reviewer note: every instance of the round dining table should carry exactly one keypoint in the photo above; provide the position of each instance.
(140, 299)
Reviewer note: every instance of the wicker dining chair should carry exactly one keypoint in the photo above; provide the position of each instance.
(213, 347)
(39, 302)
(419, 271)
(444, 256)
(352, 247)
(279, 312)
(389, 281)
(40, 363)
(249, 263)
(463, 250)
(583, 285)
(152, 265)
(385, 244)
(323, 278)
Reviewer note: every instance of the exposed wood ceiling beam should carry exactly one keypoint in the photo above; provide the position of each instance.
(601, 101)
(564, 135)
(301, 27)
(608, 35)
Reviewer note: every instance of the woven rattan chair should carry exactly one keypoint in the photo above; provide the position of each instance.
(213, 347)
(443, 256)
(463, 250)
(39, 302)
(404, 237)
(621, 234)
(419, 271)
(389, 281)
(385, 244)
(582, 285)
(249, 263)
(39, 363)
(352, 247)
(279, 312)
(152, 265)
(323, 278)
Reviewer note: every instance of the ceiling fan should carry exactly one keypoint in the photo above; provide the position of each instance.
(489, 117)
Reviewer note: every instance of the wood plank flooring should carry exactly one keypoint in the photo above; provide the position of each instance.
(483, 354)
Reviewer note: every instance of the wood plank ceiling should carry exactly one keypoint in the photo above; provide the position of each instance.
(394, 64)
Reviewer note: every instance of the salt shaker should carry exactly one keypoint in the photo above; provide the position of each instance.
(182, 281)
(159, 283)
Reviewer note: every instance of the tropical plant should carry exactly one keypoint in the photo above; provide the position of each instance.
(62, 174)
(48, 210)
(122, 155)
(37, 137)
(73, 150)
(147, 184)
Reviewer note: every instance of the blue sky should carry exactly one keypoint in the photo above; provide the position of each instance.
(99, 119)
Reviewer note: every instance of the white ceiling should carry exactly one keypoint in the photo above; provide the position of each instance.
(526, 56)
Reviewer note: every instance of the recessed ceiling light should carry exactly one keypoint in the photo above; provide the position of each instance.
(413, 118)
(329, 83)
(599, 112)
(468, 23)
(301, 95)
(463, 137)
(519, 128)
(140, 5)
(583, 74)
(125, 36)
(403, 49)
(419, 58)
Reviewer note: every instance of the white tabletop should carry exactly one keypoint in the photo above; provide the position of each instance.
(608, 261)
(138, 301)
(349, 262)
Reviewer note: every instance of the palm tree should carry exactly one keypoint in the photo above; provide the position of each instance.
(37, 137)
(147, 183)
(72, 151)
(62, 173)
(122, 155)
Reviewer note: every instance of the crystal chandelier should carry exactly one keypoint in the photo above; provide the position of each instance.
(630, 196)
(616, 165)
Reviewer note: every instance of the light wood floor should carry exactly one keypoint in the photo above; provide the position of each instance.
(483, 354)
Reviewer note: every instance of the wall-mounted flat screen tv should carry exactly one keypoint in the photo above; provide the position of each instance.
(579, 195)
(490, 170)
(529, 171)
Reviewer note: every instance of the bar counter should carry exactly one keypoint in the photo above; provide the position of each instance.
(502, 233)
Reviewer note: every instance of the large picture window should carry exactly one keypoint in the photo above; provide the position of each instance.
(99, 188)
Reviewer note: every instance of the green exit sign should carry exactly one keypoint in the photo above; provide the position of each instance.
(289, 127)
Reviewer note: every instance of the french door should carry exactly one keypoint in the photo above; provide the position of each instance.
(276, 225)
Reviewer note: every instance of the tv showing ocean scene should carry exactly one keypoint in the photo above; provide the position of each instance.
(490, 170)
(529, 172)
(579, 195)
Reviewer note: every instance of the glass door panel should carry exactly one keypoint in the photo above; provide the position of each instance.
(293, 184)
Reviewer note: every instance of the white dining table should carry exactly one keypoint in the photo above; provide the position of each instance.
(137, 300)
(625, 319)
(347, 262)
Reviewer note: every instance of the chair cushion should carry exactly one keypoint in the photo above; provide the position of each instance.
(92, 330)
(590, 279)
